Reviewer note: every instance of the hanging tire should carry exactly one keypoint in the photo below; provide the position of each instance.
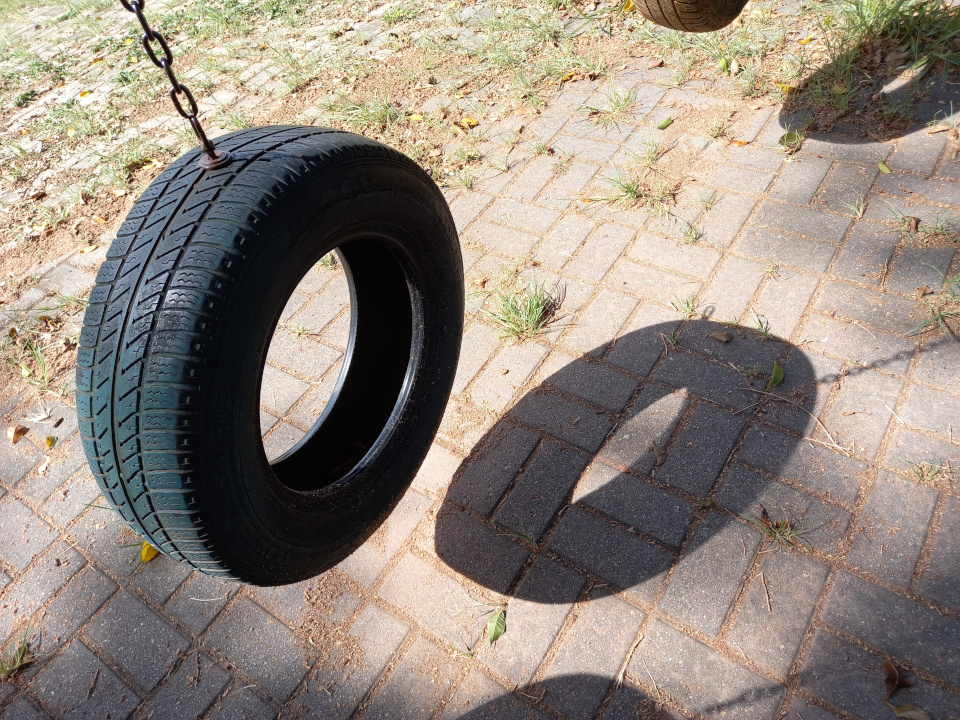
(176, 334)
(691, 15)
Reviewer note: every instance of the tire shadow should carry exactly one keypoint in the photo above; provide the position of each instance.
(619, 459)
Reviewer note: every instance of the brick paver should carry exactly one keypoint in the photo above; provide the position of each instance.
(606, 482)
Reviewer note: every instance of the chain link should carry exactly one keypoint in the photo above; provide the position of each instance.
(214, 158)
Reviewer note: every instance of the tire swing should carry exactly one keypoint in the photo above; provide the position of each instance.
(175, 339)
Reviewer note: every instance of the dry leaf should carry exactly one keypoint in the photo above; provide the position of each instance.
(660, 453)
(739, 143)
(148, 552)
(469, 122)
(807, 40)
(914, 225)
(414, 118)
(89, 248)
(765, 518)
(15, 433)
(84, 93)
(924, 290)
(655, 64)
(893, 679)
(721, 336)
(628, 6)
(908, 712)
(51, 441)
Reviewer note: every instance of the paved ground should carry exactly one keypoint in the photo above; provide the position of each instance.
(604, 482)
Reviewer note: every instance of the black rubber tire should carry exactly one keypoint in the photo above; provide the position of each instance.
(691, 15)
(176, 334)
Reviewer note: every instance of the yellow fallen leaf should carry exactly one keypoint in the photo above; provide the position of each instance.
(128, 41)
(51, 441)
(785, 88)
(99, 220)
(71, 131)
(469, 122)
(97, 60)
(84, 93)
(739, 143)
(15, 433)
(148, 552)
(414, 118)
(628, 6)
(89, 248)
(807, 40)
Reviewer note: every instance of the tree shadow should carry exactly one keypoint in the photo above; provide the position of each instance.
(611, 464)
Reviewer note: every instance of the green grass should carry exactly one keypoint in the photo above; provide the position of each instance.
(618, 107)
(375, 111)
(522, 308)
(18, 656)
(401, 13)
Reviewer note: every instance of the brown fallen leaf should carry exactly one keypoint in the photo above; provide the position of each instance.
(913, 225)
(939, 129)
(765, 518)
(924, 290)
(655, 64)
(894, 679)
(15, 433)
(908, 712)
(660, 453)
(723, 337)
(739, 143)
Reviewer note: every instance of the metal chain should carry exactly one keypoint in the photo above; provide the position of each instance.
(213, 158)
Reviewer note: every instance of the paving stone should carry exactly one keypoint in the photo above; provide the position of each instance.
(467, 207)
(918, 267)
(563, 419)
(495, 389)
(23, 709)
(532, 179)
(78, 686)
(941, 581)
(777, 608)
(935, 190)
(508, 242)
(23, 535)
(260, 646)
(845, 191)
(535, 614)
(811, 223)
(622, 558)
(478, 345)
(595, 649)
(86, 594)
(280, 391)
(889, 535)
(17, 460)
(652, 283)
(562, 242)
(436, 600)
(600, 251)
(159, 578)
(137, 639)
(918, 152)
(701, 679)
(883, 311)
(783, 301)
(686, 258)
(414, 690)
(745, 492)
(857, 345)
(369, 560)
(851, 679)
(800, 709)
(630, 703)
(783, 248)
(543, 488)
(866, 254)
(523, 216)
(701, 450)
(860, 413)
(651, 419)
(939, 364)
(800, 179)
(807, 464)
(742, 180)
(908, 451)
(718, 383)
(843, 147)
(931, 410)
(567, 187)
(480, 697)
(585, 149)
(68, 280)
(303, 357)
(599, 324)
(484, 555)
(63, 464)
(732, 289)
(588, 381)
(345, 675)
(642, 506)
(896, 625)
(282, 439)
(71, 499)
(723, 222)
(200, 600)
(640, 345)
(241, 703)
(190, 690)
(492, 467)
(42, 581)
